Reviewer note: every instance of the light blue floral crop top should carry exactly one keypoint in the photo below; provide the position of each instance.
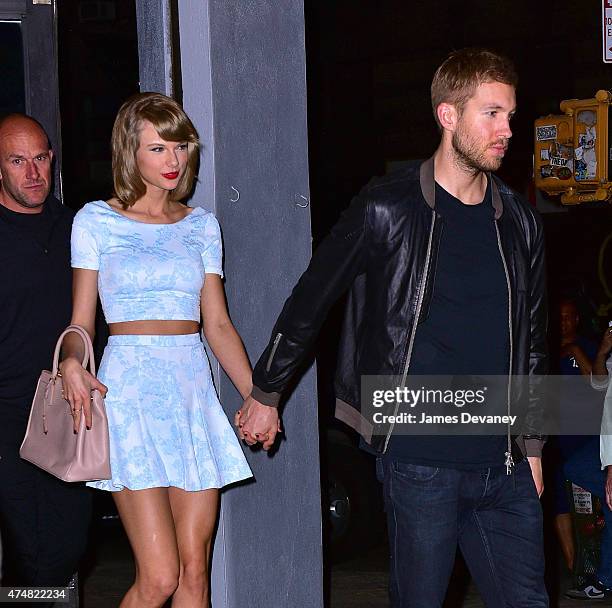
(147, 271)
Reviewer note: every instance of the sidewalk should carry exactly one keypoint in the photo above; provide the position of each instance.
(356, 583)
(111, 573)
(362, 583)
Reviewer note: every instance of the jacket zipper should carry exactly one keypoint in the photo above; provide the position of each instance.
(509, 462)
(416, 319)
(277, 339)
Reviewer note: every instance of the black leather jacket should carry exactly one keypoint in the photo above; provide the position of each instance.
(385, 246)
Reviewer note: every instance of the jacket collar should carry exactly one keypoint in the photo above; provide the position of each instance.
(428, 187)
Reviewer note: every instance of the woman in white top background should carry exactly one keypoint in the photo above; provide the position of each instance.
(600, 379)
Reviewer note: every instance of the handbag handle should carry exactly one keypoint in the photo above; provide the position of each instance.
(88, 357)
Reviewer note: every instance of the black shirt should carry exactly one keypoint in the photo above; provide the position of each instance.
(466, 331)
(35, 300)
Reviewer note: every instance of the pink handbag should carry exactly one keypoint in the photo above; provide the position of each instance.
(50, 441)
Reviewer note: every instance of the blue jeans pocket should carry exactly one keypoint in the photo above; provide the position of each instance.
(380, 469)
(413, 472)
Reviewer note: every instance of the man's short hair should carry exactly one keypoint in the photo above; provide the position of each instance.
(171, 123)
(4, 118)
(463, 71)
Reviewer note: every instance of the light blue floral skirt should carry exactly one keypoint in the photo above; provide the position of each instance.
(166, 425)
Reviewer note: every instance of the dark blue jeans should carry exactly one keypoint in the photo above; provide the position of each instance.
(496, 519)
(583, 467)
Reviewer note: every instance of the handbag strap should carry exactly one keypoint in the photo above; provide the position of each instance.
(88, 357)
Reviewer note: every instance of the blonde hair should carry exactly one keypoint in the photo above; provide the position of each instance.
(171, 123)
(463, 71)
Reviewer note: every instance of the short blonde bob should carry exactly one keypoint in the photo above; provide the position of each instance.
(170, 122)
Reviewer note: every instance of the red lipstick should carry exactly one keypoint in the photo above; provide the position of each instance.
(172, 175)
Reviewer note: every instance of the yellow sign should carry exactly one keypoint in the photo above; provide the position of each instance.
(571, 154)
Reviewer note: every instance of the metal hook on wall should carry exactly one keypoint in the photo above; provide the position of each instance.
(299, 198)
(235, 200)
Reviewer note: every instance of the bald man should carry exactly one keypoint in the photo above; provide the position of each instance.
(43, 521)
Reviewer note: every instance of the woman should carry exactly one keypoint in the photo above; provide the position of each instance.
(156, 264)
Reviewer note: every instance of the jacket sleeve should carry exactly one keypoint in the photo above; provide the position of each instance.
(335, 263)
(538, 352)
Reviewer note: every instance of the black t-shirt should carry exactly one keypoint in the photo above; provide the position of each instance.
(35, 300)
(466, 331)
(32, 225)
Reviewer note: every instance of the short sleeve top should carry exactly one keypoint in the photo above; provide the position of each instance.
(147, 271)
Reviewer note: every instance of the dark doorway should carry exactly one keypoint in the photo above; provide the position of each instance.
(28, 67)
(12, 94)
(98, 52)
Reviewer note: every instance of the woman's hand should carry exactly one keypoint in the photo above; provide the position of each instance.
(257, 423)
(78, 384)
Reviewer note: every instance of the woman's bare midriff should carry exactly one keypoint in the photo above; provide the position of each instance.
(153, 328)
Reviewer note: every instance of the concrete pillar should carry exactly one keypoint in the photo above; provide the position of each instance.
(244, 86)
(154, 22)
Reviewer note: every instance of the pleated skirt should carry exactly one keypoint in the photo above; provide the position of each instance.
(166, 425)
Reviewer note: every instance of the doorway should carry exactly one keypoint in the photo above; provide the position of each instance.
(28, 66)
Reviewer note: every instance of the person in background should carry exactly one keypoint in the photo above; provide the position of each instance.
(600, 379)
(44, 521)
(584, 463)
(575, 359)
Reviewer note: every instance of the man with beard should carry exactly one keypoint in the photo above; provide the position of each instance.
(43, 521)
(446, 269)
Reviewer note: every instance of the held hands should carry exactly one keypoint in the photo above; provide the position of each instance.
(257, 423)
(78, 384)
